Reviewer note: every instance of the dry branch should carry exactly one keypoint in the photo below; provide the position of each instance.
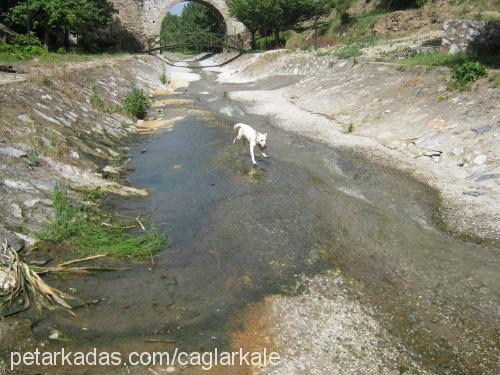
(27, 284)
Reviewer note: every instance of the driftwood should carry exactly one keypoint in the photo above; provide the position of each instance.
(27, 285)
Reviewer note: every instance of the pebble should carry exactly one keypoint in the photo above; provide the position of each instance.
(432, 154)
(480, 160)
(472, 193)
(17, 211)
(74, 155)
(486, 177)
(7, 279)
(482, 129)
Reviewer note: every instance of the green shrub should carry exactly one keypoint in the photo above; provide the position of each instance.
(95, 98)
(26, 40)
(296, 41)
(136, 103)
(164, 79)
(469, 71)
(351, 50)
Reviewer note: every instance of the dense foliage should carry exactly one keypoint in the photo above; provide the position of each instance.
(60, 18)
(264, 16)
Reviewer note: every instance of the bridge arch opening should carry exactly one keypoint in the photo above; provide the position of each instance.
(193, 25)
(215, 9)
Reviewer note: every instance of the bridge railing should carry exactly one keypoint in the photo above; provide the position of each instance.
(199, 41)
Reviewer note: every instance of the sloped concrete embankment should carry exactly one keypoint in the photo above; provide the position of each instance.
(50, 134)
(404, 118)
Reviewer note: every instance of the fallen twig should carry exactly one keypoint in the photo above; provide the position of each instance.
(118, 227)
(98, 256)
(140, 224)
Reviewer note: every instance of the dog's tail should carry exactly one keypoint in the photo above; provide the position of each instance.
(237, 126)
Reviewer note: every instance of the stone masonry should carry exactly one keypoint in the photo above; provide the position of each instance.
(142, 18)
(470, 36)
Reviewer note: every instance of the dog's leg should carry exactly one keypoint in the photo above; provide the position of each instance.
(253, 156)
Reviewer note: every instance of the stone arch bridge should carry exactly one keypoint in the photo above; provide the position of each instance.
(142, 19)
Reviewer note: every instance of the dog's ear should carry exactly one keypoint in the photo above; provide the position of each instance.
(265, 135)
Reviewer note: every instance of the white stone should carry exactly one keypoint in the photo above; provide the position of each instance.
(454, 49)
(7, 280)
(74, 155)
(16, 211)
(12, 152)
(481, 159)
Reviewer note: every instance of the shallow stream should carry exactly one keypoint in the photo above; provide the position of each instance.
(237, 233)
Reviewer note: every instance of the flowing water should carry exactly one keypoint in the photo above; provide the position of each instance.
(237, 233)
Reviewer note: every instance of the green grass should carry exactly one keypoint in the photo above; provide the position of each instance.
(494, 79)
(434, 59)
(12, 55)
(164, 78)
(354, 31)
(95, 98)
(82, 228)
(348, 51)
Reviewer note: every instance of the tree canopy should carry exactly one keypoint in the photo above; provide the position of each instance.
(62, 16)
(276, 15)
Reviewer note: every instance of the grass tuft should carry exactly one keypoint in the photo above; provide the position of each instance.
(434, 59)
(95, 98)
(348, 51)
(82, 227)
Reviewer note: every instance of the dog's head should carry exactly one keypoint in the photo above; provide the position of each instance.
(261, 140)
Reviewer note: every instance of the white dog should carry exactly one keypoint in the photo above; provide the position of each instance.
(253, 137)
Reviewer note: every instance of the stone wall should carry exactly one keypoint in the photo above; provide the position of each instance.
(142, 18)
(470, 36)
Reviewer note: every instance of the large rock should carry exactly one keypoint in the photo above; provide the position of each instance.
(12, 152)
(12, 240)
(471, 36)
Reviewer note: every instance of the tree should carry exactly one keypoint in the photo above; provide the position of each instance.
(257, 15)
(342, 8)
(202, 18)
(63, 16)
(276, 15)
